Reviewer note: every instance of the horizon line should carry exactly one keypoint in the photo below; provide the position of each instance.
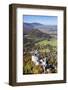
(40, 23)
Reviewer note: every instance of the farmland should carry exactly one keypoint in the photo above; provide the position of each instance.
(52, 42)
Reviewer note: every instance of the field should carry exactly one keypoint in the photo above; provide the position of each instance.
(52, 42)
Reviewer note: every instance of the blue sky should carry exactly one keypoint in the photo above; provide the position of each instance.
(46, 20)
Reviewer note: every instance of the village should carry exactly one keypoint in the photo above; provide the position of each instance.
(43, 61)
(37, 62)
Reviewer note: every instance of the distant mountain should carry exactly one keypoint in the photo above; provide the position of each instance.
(36, 25)
(48, 29)
(39, 29)
(27, 28)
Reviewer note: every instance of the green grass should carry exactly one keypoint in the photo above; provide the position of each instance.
(52, 42)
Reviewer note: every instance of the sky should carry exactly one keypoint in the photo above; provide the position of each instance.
(46, 20)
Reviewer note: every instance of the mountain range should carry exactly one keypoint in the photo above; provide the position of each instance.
(40, 30)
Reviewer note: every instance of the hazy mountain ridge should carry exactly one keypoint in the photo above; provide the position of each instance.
(40, 30)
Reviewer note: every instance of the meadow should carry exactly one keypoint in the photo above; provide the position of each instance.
(52, 42)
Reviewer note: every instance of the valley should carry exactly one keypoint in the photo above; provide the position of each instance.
(43, 40)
